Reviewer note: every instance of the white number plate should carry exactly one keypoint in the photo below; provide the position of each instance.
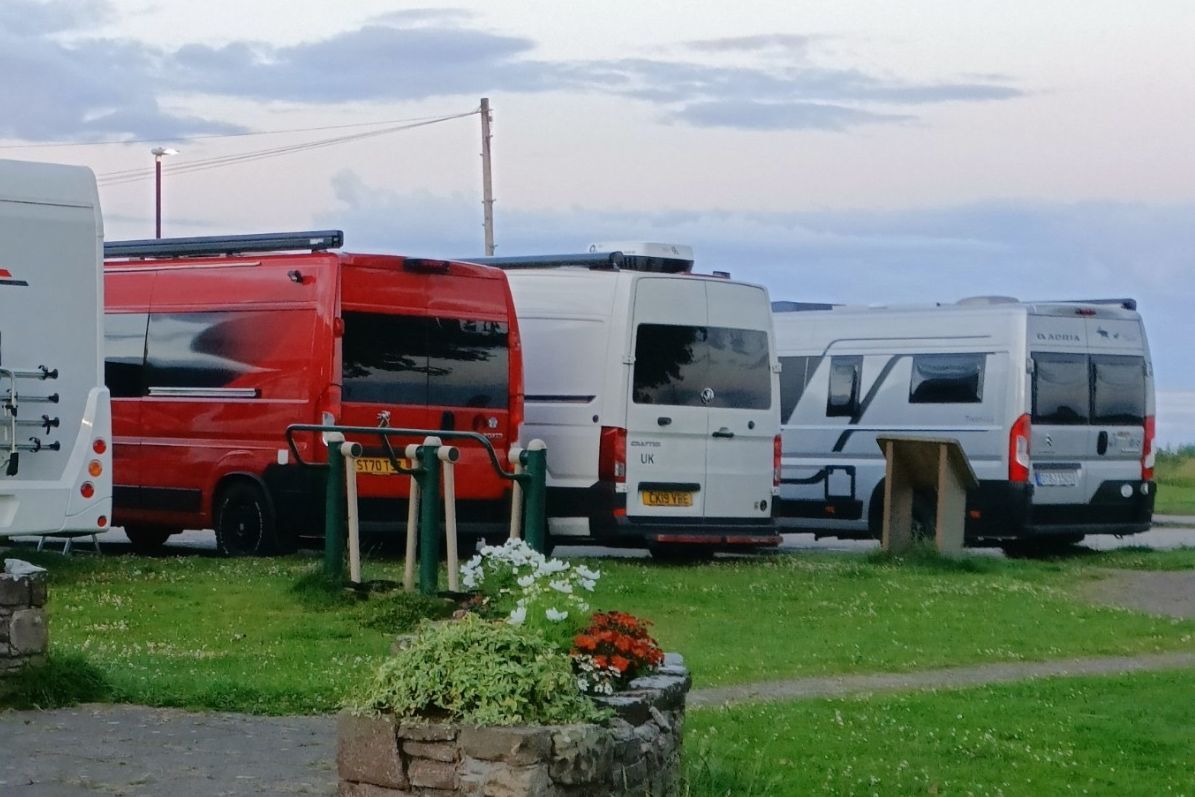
(1057, 478)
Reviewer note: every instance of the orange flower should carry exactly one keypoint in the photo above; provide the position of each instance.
(585, 642)
(601, 661)
(620, 664)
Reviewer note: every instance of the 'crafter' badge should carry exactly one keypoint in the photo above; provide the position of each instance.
(707, 395)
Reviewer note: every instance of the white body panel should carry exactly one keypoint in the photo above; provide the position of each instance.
(51, 313)
(832, 467)
(579, 329)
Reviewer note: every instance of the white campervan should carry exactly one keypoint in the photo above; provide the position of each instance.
(55, 422)
(656, 392)
(1052, 402)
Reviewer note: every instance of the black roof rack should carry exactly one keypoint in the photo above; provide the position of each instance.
(1126, 303)
(313, 240)
(595, 260)
(783, 306)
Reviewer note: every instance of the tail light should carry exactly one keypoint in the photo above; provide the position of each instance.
(776, 450)
(1018, 450)
(99, 445)
(87, 489)
(95, 468)
(1147, 449)
(612, 455)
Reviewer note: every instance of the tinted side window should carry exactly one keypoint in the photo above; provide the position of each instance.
(124, 354)
(385, 358)
(676, 364)
(1117, 389)
(468, 363)
(740, 372)
(947, 379)
(795, 373)
(201, 350)
(843, 396)
(1060, 388)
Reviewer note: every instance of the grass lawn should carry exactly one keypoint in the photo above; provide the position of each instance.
(1125, 735)
(749, 620)
(238, 634)
(1175, 474)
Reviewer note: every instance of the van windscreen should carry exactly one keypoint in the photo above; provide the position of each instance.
(397, 359)
(1118, 389)
(681, 365)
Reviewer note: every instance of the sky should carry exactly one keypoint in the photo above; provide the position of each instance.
(846, 151)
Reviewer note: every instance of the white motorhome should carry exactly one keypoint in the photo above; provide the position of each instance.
(55, 423)
(657, 394)
(1052, 402)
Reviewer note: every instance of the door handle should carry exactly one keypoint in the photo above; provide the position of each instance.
(724, 432)
(663, 420)
(1101, 445)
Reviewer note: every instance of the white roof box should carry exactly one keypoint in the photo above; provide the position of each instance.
(648, 256)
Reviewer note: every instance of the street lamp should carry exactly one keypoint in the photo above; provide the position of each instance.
(159, 153)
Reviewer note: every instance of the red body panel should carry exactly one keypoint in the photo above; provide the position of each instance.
(265, 332)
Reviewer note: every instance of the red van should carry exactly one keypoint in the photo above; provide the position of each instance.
(216, 344)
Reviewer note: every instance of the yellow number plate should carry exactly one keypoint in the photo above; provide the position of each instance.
(667, 498)
(379, 466)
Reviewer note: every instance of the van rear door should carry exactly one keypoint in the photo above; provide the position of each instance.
(667, 420)
(743, 419)
(1118, 401)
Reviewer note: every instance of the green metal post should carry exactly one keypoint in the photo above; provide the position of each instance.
(334, 510)
(535, 462)
(429, 516)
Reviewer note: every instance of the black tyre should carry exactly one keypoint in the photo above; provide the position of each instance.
(1041, 546)
(679, 553)
(146, 540)
(244, 521)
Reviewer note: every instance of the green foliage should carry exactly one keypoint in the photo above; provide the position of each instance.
(64, 680)
(401, 612)
(478, 672)
(1175, 475)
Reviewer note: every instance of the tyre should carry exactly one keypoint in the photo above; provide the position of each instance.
(679, 553)
(146, 540)
(244, 521)
(1041, 546)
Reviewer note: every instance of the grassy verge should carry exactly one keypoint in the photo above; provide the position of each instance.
(751, 620)
(1118, 735)
(1175, 474)
(264, 636)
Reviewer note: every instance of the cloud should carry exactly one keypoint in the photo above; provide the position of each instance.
(1024, 249)
(87, 85)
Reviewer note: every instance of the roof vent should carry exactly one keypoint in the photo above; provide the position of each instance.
(989, 300)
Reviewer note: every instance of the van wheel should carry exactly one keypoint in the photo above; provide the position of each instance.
(146, 540)
(244, 522)
(1035, 547)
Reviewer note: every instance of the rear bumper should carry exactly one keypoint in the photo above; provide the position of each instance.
(1006, 510)
(609, 523)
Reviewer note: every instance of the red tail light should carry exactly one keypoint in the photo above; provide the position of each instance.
(1147, 449)
(776, 451)
(612, 455)
(1018, 450)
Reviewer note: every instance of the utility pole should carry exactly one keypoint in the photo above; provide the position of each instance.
(487, 183)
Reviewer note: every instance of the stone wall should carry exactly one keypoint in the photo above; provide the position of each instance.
(636, 753)
(23, 632)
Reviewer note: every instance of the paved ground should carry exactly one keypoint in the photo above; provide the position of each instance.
(1165, 593)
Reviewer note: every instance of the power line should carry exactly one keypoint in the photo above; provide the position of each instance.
(138, 174)
(209, 136)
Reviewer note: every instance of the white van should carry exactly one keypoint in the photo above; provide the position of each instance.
(656, 392)
(55, 419)
(1053, 403)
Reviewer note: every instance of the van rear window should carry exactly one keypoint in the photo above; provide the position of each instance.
(397, 359)
(1060, 388)
(1117, 389)
(681, 365)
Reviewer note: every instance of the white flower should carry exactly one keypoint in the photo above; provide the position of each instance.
(526, 581)
(561, 586)
(517, 615)
(587, 574)
(588, 584)
(555, 615)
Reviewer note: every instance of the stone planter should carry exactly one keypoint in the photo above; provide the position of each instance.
(636, 753)
(23, 631)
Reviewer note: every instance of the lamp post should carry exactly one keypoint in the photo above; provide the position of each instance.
(159, 153)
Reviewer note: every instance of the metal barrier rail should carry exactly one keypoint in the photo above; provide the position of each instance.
(528, 474)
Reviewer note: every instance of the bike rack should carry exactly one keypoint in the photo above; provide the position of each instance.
(528, 474)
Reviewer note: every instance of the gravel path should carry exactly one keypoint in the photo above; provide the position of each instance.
(1161, 592)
